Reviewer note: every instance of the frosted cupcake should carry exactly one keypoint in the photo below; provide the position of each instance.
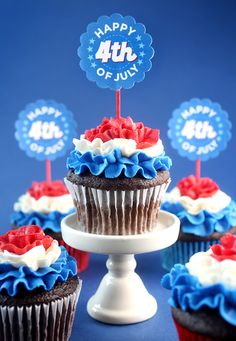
(118, 173)
(39, 287)
(46, 204)
(203, 294)
(206, 213)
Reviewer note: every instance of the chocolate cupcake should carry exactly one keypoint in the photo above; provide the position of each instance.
(203, 294)
(45, 204)
(206, 213)
(118, 173)
(39, 288)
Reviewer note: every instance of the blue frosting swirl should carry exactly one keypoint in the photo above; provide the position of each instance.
(204, 223)
(51, 221)
(13, 279)
(189, 295)
(112, 165)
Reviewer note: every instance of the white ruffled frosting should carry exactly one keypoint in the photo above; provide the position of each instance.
(127, 147)
(35, 258)
(213, 204)
(210, 271)
(27, 204)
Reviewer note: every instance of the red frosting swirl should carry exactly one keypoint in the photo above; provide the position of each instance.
(124, 128)
(225, 250)
(24, 239)
(197, 187)
(51, 189)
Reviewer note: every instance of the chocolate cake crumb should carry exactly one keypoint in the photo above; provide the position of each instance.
(117, 184)
(39, 296)
(207, 323)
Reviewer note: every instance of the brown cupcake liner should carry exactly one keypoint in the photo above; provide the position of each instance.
(39, 322)
(117, 212)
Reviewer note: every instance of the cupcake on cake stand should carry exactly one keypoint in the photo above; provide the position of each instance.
(117, 175)
(121, 297)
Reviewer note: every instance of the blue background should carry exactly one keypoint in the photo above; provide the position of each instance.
(195, 56)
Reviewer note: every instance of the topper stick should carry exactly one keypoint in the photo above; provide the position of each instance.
(198, 168)
(48, 171)
(118, 104)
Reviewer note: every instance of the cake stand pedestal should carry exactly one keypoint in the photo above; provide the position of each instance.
(121, 297)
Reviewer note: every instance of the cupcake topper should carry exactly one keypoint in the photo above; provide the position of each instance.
(45, 130)
(116, 52)
(199, 130)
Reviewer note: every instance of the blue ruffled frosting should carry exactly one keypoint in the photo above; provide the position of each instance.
(51, 221)
(204, 223)
(112, 165)
(13, 279)
(189, 295)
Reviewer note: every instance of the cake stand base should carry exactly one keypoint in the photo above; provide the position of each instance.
(121, 297)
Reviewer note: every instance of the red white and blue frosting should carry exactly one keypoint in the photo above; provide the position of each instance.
(29, 259)
(208, 281)
(44, 204)
(119, 147)
(201, 206)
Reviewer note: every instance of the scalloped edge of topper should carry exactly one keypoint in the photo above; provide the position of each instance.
(31, 106)
(130, 84)
(207, 101)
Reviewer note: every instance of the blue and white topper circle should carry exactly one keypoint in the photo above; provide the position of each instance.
(45, 129)
(116, 52)
(199, 129)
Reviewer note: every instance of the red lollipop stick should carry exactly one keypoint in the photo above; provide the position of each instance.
(198, 169)
(118, 104)
(48, 171)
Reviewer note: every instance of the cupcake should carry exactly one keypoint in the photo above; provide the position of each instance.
(206, 214)
(46, 204)
(203, 293)
(39, 287)
(117, 175)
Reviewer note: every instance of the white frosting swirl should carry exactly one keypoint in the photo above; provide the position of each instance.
(210, 271)
(127, 146)
(213, 204)
(35, 258)
(27, 204)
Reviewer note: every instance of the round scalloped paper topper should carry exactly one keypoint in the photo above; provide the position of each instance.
(45, 130)
(116, 52)
(199, 129)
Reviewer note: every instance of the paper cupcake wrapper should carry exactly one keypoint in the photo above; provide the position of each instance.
(187, 335)
(116, 212)
(180, 252)
(48, 322)
(81, 257)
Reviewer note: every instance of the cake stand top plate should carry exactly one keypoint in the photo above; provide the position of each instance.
(164, 234)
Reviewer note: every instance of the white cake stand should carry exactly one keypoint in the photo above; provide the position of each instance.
(121, 297)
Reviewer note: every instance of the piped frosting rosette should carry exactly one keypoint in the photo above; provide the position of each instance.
(205, 212)
(44, 204)
(207, 282)
(30, 259)
(201, 207)
(117, 175)
(39, 287)
(119, 147)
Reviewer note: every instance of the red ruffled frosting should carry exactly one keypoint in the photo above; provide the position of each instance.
(124, 128)
(24, 239)
(225, 250)
(51, 189)
(197, 187)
